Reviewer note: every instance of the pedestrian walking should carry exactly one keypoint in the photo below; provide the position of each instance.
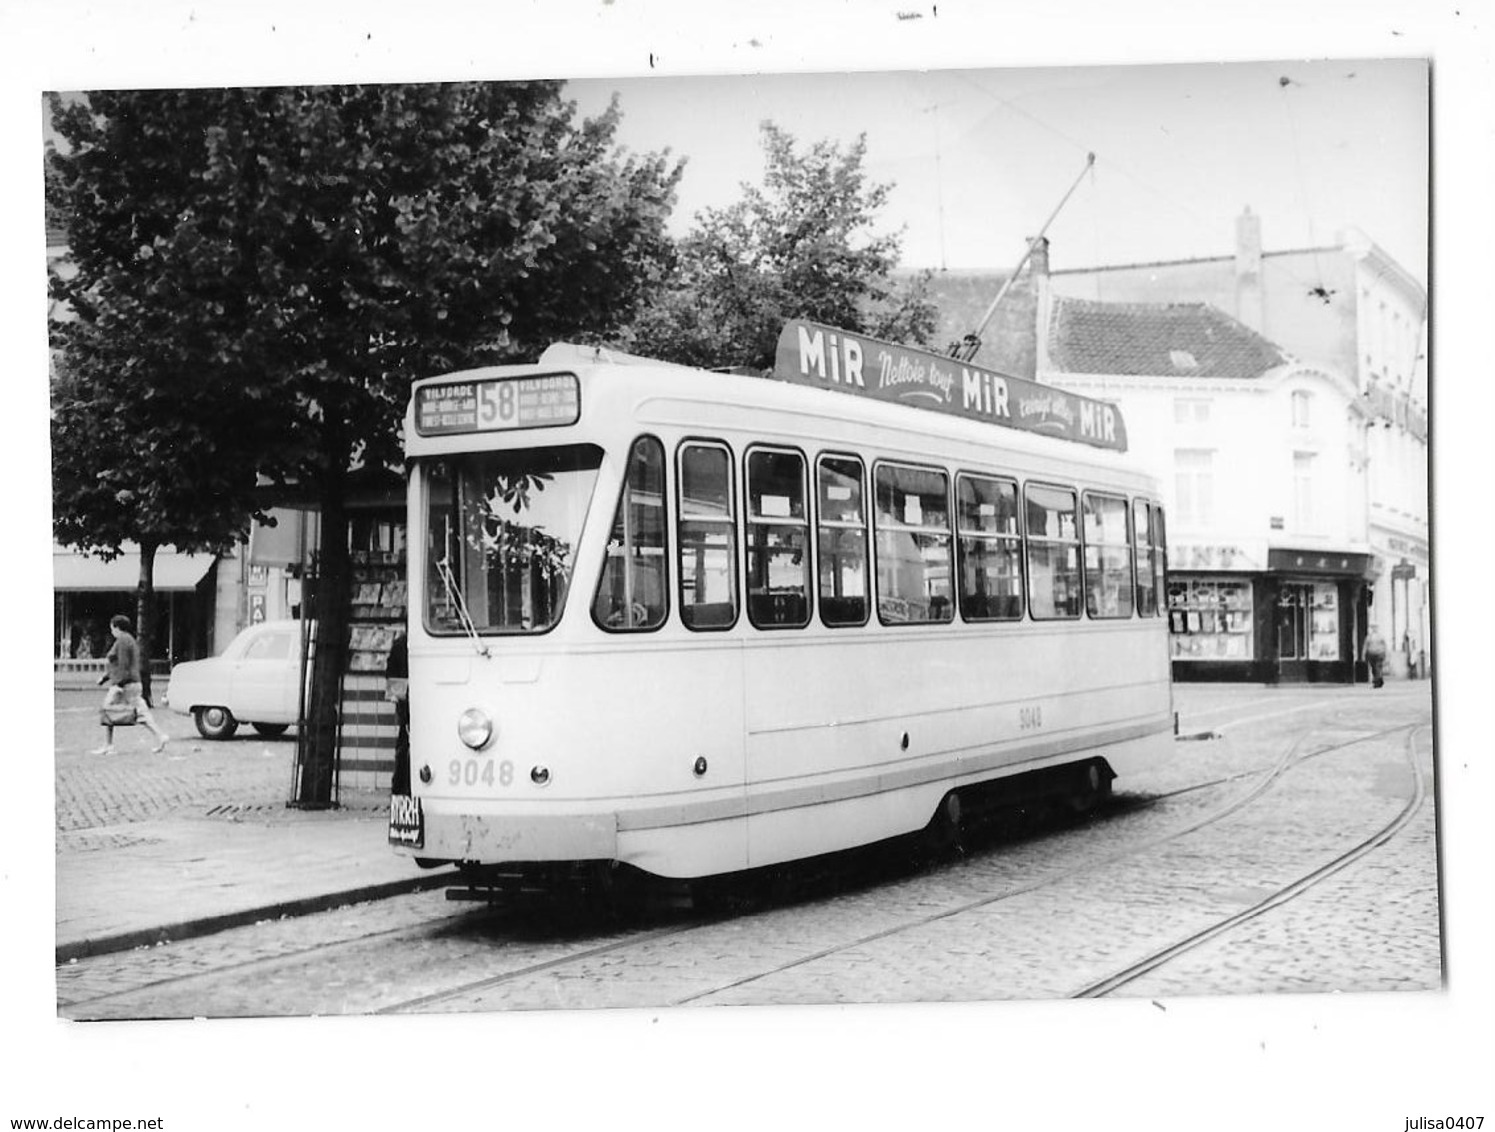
(1375, 656)
(123, 678)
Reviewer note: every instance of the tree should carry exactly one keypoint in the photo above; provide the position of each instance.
(336, 242)
(802, 246)
(153, 437)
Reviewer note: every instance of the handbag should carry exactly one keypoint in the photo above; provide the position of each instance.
(117, 711)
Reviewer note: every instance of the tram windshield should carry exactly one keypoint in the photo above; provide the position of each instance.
(501, 535)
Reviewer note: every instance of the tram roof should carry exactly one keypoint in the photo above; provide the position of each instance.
(840, 374)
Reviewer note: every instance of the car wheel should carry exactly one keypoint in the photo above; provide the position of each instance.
(270, 730)
(215, 722)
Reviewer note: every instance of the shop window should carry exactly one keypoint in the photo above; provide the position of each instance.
(1054, 589)
(991, 549)
(632, 593)
(913, 545)
(1108, 557)
(708, 537)
(1210, 619)
(778, 551)
(1323, 629)
(842, 538)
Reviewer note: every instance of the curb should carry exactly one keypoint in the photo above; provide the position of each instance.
(210, 925)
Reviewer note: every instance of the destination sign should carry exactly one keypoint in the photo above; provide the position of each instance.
(498, 404)
(811, 354)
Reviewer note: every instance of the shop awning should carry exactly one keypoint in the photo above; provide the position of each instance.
(76, 572)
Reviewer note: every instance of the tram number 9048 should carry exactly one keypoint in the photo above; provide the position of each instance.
(1030, 718)
(471, 772)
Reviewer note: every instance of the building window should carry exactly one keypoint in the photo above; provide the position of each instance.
(1191, 410)
(1302, 403)
(1194, 486)
(1303, 513)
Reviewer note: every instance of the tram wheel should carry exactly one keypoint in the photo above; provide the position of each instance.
(1093, 786)
(942, 834)
(215, 722)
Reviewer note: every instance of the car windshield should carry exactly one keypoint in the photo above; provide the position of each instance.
(501, 534)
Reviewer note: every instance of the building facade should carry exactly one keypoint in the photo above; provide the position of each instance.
(1262, 460)
(1350, 313)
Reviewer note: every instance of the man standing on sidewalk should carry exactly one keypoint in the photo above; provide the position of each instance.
(123, 678)
(1375, 656)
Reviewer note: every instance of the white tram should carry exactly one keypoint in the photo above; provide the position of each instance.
(697, 623)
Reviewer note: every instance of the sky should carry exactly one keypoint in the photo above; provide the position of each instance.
(981, 114)
(979, 159)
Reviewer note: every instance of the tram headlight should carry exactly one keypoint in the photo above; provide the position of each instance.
(475, 729)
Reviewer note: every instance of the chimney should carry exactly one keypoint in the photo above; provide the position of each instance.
(1043, 307)
(1248, 294)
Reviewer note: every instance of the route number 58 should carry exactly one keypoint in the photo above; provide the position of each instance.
(497, 404)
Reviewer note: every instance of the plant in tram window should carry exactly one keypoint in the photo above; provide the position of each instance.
(503, 530)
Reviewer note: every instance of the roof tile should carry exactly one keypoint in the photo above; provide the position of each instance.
(1156, 339)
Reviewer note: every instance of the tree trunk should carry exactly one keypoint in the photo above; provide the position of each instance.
(145, 614)
(324, 705)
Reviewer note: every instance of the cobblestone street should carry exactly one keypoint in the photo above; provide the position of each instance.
(1285, 784)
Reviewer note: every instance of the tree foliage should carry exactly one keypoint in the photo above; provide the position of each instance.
(804, 245)
(264, 271)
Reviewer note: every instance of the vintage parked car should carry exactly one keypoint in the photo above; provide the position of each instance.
(255, 680)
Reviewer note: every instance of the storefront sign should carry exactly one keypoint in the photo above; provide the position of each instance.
(1412, 548)
(1198, 556)
(1336, 563)
(822, 356)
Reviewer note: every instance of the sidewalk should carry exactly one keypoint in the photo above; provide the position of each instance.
(199, 839)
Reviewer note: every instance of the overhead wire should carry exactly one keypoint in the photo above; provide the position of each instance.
(1205, 222)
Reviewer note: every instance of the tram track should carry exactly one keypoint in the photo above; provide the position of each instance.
(1285, 762)
(1288, 892)
(1293, 754)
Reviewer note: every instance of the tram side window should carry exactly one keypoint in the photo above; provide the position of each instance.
(991, 549)
(1145, 540)
(842, 541)
(1053, 552)
(633, 592)
(913, 545)
(708, 537)
(1108, 557)
(1159, 553)
(778, 534)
